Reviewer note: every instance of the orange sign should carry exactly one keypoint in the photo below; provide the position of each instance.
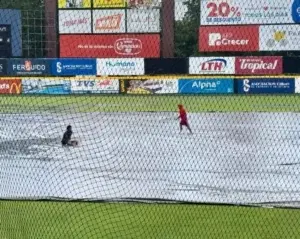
(10, 86)
(109, 23)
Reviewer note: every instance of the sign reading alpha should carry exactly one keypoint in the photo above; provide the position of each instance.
(29, 67)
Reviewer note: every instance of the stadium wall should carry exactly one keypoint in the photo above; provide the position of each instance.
(194, 75)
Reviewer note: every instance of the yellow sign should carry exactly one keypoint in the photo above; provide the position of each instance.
(109, 3)
(74, 3)
(15, 88)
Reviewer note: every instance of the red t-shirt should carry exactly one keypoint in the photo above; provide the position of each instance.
(182, 114)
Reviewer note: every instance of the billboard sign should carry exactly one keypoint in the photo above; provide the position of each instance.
(48, 86)
(297, 85)
(229, 38)
(266, 85)
(259, 65)
(10, 86)
(205, 86)
(143, 20)
(110, 46)
(29, 67)
(74, 21)
(279, 38)
(109, 21)
(144, 4)
(3, 67)
(74, 3)
(109, 3)
(232, 12)
(149, 86)
(73, 67)
(211, 65)
(120, 66)
(90, 86)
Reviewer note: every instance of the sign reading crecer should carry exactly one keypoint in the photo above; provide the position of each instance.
(229, 38)
(110, 46)
(269, 65)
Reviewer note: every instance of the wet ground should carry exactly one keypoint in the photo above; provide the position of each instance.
(230, 158)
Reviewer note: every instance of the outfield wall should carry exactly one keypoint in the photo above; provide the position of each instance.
(266, 65)
(150, 85)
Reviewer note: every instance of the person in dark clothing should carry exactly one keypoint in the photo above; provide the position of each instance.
(66, 140)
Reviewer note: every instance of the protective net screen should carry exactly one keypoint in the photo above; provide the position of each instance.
(149, 119)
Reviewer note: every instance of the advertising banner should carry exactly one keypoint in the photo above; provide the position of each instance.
(143, 20)
(73, 67)
(279, 38)
(258, 65)
(149, 86)
(144, 4)
(10, 86)
(229, 38)
(74, 3)
(297, 85)
(29, 67)
(75, 21)
(109, 3)
(3, 67)
(205, 86)
(110, 46)
(266, 85)
(211, 65)
(109, 21)
(120, 66)
(231, 12)
(93, 86)
(48, 86)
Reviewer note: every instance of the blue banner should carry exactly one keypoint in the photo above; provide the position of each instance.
(73, 67)
(46, 86)
(266, 85)
(28, 67)
(3, 67)
(205, 86)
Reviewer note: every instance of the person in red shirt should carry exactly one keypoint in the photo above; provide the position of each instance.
(183, 118)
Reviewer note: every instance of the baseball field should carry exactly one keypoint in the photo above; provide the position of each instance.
(134, 176)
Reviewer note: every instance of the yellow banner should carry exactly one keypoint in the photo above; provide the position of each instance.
(74, 3)
(109, 3)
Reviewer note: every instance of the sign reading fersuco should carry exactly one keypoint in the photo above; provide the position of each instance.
(229, 38)
(211, 65)
(232, 12)
(269, 65)
(120, 66)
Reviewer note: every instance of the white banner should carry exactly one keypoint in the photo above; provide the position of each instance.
(211, 65)
(91, 85)
(109, 21)
(279, 38)
(74, 21)
(120, 66)
(143, 20)
(297, 85)
(231, 12)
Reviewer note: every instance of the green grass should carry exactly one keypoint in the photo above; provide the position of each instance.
(111, 103)
(69, 220)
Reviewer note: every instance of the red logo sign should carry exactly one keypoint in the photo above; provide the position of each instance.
(106, 46)
(109, 23)
(10, 86)
(229, 38)
(258, 65)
